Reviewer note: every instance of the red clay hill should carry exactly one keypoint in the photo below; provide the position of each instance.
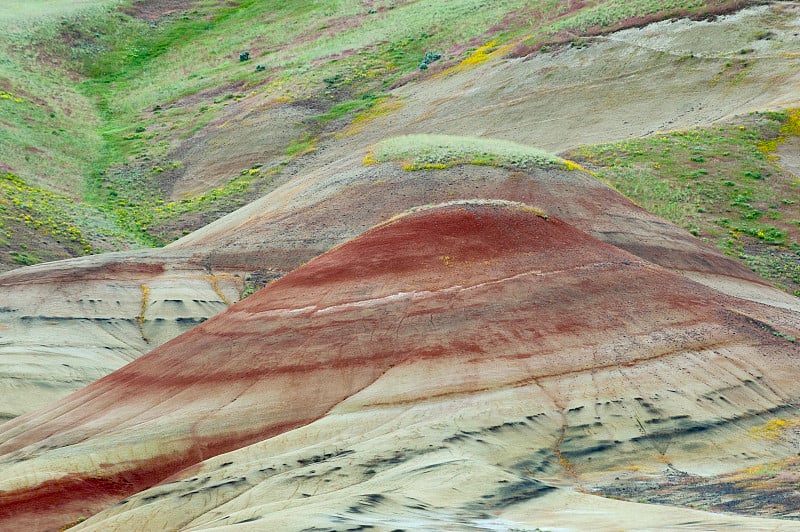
(107, 310)
(602, 355)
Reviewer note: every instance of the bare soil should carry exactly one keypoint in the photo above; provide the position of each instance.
(789, 153)
(667, 76)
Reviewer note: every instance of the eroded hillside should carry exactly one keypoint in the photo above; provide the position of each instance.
(435, 274)
(161, 116)
(461, 330)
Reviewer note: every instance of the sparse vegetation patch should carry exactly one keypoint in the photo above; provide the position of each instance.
(430, 152)
(97, 95)
(140, 209)
(721, 183)
(33, 217)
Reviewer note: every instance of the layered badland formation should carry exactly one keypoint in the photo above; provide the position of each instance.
(503, 345)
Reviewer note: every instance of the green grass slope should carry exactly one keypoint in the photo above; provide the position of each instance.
(49, 143)
(724, 183)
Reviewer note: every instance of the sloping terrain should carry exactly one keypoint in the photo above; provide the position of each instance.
(110, 309)
(462, 331)
(458, 330)
(328, 196)
(158, 118)
(71, 324)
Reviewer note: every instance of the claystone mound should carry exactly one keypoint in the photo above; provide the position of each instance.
(113, 308)
(474, 296)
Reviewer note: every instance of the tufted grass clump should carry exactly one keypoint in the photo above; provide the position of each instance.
(434, 152)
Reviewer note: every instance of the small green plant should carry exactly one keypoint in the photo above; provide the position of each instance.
(23, 258)
(307, 143)
(72, 524)
(785, 336)
(429, 58)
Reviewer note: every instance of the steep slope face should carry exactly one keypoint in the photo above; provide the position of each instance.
(69, 323)
(603, 88)
(664, 76)
(674, 74)
(107, 310)
(306, 217)
(541, 100)
(461, 331)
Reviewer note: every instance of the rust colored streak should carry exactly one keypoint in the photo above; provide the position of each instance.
(54, 503)
(417, 251)
(59, 273)
(580, 200)
(488, 282)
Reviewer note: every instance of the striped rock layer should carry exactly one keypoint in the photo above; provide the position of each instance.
(456, 365)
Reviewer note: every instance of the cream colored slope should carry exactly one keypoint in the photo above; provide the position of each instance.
(584, 367)
(445, 367)
(492, 460)
(476, 331)
(66, 324)
(669, 75)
